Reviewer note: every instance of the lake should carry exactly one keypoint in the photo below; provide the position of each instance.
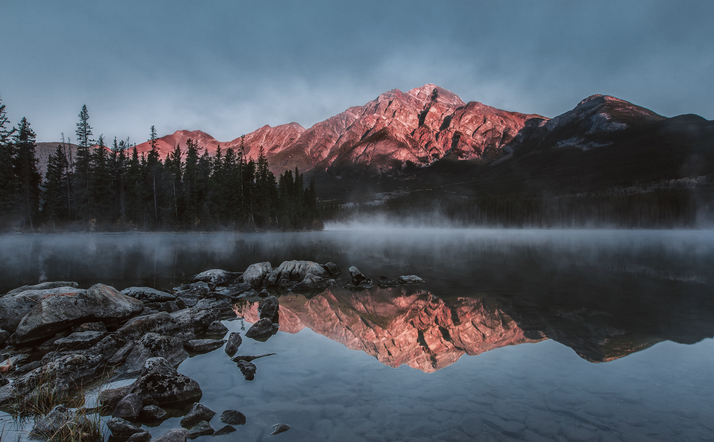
(535, 335)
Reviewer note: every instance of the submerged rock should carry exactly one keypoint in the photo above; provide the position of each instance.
(257, 274)
(57, 312)
(202, 428)
(233, 417)
(234, 341)
(203, 345)
(269, 308)
(280, 428)
(261, 328)
(152, 413)
(198, 412)
(385, 282)
(122, 427)
(225, 430)
(410, 279)
(175, 435)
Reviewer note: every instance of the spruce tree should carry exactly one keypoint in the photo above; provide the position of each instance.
(83, 163)
(8, 183)
(154, 170)
(55, 197)
(28, 176)
(100, 183)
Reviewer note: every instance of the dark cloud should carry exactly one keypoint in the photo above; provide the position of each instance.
(228, 67)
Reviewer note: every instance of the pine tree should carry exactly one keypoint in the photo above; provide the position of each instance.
(55, 206)
(8, 183)
(28, 176)
(100, 183)
(83, 163)
(154, 170)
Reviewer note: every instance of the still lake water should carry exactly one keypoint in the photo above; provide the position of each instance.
(530, 335)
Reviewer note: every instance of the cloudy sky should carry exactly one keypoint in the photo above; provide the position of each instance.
(229, 67)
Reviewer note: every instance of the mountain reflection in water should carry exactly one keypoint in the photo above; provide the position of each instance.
(407, 326)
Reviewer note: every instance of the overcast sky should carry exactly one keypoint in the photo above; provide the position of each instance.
(229, 67)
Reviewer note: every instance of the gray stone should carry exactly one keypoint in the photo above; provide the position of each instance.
(160, 384)
(153, 345)
(248, 369)
(332, 269)
(90, 326)
(233, 417)
(161, 323)
(198, 318)
(152, 413)
(203, 345)
(42, 286)
(280, 428)
(233, 290)
(305, 275)
(410, 279)
(148, 294)
(144, 436)
(111, 397)
(358, 281)
(120, 355)
(52, 422)
(4, 335)
(79, 340)
(225, 430)
(175, 435)
(14, 307)
(56, 312)
(217, 328)
(269, 308)
(234, 341)
(257, 273)
(385, 282)
(129, 407)
(260, 328)
(122, 427)
(198, 412)
(217, 277)
(202, 428)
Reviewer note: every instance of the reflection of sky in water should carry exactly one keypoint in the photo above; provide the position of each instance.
(541, 391)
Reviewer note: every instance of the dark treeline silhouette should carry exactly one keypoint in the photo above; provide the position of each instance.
(116, 188)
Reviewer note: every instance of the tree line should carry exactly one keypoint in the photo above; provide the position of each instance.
(117, 188)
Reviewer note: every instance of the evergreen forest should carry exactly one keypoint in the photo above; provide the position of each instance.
(114, 187)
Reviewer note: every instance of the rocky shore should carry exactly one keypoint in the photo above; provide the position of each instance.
(57, 339)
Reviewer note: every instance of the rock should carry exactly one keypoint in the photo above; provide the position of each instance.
(234, 290)
(14, 307)
(202, 428)
(57, 312)
(250, 358)
(120, 355)
(385, 282)
(257, 274)
(192, 293)
(4, 335)
(225, 430)
(199, 317)
(28, 367)
(217, 277)
(203, 345)
(410, 279)
(233, 417)
(42, 286)
(260, 328)
(148, 294)
(152, 413)
(198, 412)
(168, 306)
(122, 427)
(111, 397)
(359, 281)
(175, 435)
(79, 340)
(52, 422)
(332, 269)
(217, 328)
(302, 275)
(234, 341)
(264, 293)
(248, 369)
(153, 345)
(129, 407)
(90, 326)
(160, 384)
(144, 436)
(280, 428)
(3, 381)
(161, 323)
(269, 308)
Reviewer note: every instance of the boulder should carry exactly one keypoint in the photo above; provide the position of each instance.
(280, 428)
(248, 369)
(4, 335)
(203, 345)
(57, 312)
(90, 326)
(129, 407)
(202, 428)
(385, 282)
(261, 328)
(217, 328)
(233, 417)
(192, 293)
(42, 286)
(358, 278)
(300, 275)
(198, 412)
(332, 269)
(120, 355)
(51, 423)
(233, 342)
(269, 308)
(110, 397)
(152, 413)
(217, 277)
(175, 435)
(148, 294)
(144, 436)
(161, 323)
(160, 384)
(79, 340)
(122, 427)
(153, 345)
(234, 290)
(227, 429)
(14, 307)
(198, 318)
(257, 274)
(410, 279)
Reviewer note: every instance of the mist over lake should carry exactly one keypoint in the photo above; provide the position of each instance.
(514, 334)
